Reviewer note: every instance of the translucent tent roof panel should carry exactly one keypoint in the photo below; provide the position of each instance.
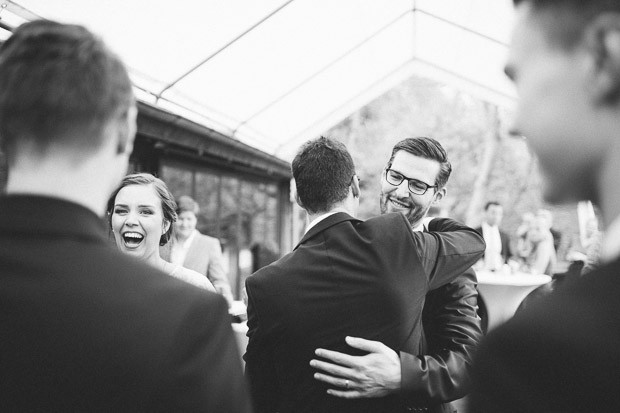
(293, 45)
(275, 72)
(489, 18)
(473, 57)
(162, 39)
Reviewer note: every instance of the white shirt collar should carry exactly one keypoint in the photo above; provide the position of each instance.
(322, 217)
(178, 250)
(189, 239)
(610, 248)
(423, 225)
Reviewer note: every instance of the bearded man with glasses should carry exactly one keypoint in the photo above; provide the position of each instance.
(414, 180)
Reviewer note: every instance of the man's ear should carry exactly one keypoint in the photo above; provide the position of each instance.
(602, 40)
(439, 195)
(301, 205)
(355, 187)
(126, 131)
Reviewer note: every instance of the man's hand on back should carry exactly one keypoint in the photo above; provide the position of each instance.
(376, 374)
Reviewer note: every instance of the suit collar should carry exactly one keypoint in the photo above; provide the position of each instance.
(46, 216)
(324, 224)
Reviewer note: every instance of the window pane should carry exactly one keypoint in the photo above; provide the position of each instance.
(178, 179)
(271, 219)
(229, 210)
(207, 193)
(258, 217)
(229, 229)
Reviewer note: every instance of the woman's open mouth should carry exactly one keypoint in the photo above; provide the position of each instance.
(132, 239)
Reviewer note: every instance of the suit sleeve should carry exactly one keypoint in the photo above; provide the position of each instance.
(205, 372)
(452, 328)
(447, 250)
(259, 370)
(216, 273)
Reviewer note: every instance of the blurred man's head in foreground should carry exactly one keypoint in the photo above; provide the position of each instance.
(64, 98)
(565, 62)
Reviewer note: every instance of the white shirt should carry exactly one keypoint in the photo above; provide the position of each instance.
(610, 249)
(178, 250)
(322, 217)
(493, 253)
(423, 225)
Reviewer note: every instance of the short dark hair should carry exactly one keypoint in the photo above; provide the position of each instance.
(168, 204)
(59, 84)
(490, 204)
(427, 148)
(323, 170)
(187, 203)
(570, 16)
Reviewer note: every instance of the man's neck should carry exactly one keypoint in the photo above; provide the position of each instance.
(181, 238)
(81, 185)
(340, 207)
(317, 217)
(489, 225)
(417, 226)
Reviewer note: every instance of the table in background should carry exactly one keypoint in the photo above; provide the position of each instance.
(501, 293)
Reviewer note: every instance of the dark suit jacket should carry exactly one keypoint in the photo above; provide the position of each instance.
(561, 354)
(205, 257)
(441, 371)
(85, 328)
(505, 238)
(346, 277)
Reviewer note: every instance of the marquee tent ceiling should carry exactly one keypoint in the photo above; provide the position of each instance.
(273, 73)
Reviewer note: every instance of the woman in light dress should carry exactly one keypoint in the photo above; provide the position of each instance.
(141, 212)
(541, 258)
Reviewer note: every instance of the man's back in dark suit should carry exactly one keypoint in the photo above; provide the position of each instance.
(82, 326)
(85, 328)
(346, 277)
(559, 355)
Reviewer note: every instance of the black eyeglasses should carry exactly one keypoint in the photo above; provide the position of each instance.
(414, 186)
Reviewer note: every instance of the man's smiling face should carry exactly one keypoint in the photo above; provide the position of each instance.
(398, 198)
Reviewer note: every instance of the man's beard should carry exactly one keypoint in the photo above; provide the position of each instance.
(414, 212)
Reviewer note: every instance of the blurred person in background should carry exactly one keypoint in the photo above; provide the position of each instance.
(83, 326)
(541, 258)
(193, 250)
(562, 354)
(439, 372)
(523, 247)
(141, 212)
(546, 215)
(591, 242)
(497, 252)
